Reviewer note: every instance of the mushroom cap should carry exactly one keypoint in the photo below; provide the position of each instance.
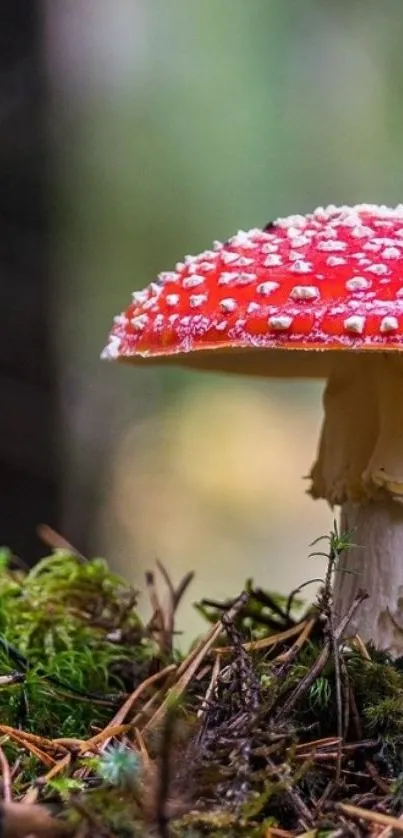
(275, 301)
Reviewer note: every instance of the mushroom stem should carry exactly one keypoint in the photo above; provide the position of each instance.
(376, 567)
(385, 468)
(360, 468)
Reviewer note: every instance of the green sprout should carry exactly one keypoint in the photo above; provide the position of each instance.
(120, 766)
(338, 543)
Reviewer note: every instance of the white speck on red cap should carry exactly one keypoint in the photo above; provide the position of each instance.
(389, 324)
(226, 277)
(172, 299)
(331, 245)
(244, 262)
(139, 297)
(360, 232)
(373, 246)
(244, 278)
(355, 323)
(334, 261)
(341, 300)
(304, 292)
(139, 322)
(391, 253)
(297, 221)
(228, 304)
(381, 270)
(197, 300)
(266, 288)
(280, 322)
(269, 248)
(301, 267)
(358, 283)
(242, 239)
(296, 239)
(166, 276)
(193, 281)
(112, 350)
(273, 260)
(229, 257)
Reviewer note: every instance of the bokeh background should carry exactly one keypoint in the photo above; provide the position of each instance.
(133, 132)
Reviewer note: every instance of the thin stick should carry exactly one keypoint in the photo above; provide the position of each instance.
(371, 817)
(298, 804)
(145, 756)
(56, 541)
(328, 742)
(265, 642)
(13, 678)
(387, 832)
(321, 661)
(157, 622)
(183, 586)
(176, 691)
(5, 770)
(57, 768)
(339, 703)
(126, 708)
(210, 689)
(27, 743)
(292, 652)
(169, 611)
(178, 592)
(360, 645)
(164, 778)
(345, 682)
(32, 738)
(104, 737)
(158, 696)
(45, 758)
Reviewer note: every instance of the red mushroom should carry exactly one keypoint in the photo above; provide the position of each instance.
(308, 296)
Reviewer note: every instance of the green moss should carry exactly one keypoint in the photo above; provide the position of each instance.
(58, 625)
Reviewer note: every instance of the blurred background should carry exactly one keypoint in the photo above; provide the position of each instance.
(134, 132)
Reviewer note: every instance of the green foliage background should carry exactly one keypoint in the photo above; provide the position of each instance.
(178, 123)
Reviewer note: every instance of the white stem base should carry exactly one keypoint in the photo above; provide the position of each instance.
(377, 566)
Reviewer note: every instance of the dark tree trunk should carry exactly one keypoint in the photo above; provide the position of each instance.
(28, 397)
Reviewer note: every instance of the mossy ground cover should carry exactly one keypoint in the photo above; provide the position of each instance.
(272, 725)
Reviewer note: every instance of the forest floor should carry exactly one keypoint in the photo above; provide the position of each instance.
(271, 726)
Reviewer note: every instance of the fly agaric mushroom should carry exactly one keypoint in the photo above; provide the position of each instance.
(318, 295)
